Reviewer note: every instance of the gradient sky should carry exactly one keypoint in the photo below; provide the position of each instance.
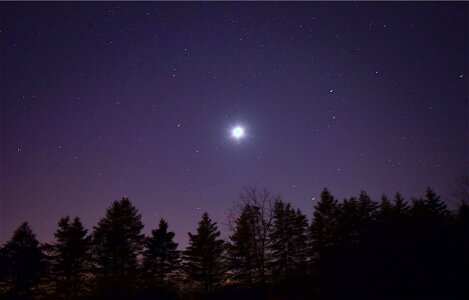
(102, 100)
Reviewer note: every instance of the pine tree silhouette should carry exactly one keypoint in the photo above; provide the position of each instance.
(161, 257)
(323, 229)
(70, 257)
(204, 257)
(21, 261)
(241, 252)
(354, 249)
(288, 240)
(117, 242)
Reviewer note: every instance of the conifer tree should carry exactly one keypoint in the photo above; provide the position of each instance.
(242, 260)
(280, 244)
(288, 239)
(204, 257)
(428, 231)
(323, 227)
(385, 207)
(300, 240)
(70, 256)
(400, 206)
(435, 206)
(117, 242)
(367, 208)
(22, 262)
(429, 211)
(161, 257)
(348, 224)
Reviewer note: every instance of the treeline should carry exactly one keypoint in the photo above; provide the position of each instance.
(351, 249)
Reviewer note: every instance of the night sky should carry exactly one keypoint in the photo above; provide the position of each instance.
(105, 100)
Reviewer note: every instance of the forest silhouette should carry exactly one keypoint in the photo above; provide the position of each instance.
(357, 248)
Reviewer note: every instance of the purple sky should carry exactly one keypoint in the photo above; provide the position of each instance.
(102, 100)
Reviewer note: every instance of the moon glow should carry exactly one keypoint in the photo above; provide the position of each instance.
(237, 132)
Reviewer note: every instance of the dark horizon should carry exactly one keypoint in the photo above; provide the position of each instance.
(105, 100)
(223, 222)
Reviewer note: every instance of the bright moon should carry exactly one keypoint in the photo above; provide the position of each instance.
(238, 132)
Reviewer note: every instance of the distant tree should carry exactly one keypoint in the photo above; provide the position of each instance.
(21, 263)
(428, 214)
(288, 239)
(356, 218)
(241, 251)
(323, 229)
(400, 204)
(300, 240)
(428, 240)
(117, 242)
(204, 257)
(435, 206)
(261, 216)
(280, 240)
(345, 264)
(417, 209)
(160, 257)
(348, 222)
(367, 210)
(385, 207)
(391, 215)
(70, 257)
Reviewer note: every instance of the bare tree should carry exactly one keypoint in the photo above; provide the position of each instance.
(260, 204)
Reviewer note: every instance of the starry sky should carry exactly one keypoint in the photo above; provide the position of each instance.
(105, 100)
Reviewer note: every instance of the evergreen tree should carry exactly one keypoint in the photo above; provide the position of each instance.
(400, 206)
(242, 256)
(70, 256)
(348, 223)
(428, 241)
(323, 227)
(300, 240)
(345, 264)
(288, 239)
(429, 211)
(280, 242)
(356, 219)
(367, 209)
(117, 241)
(435, 206)
(161, 257)
(204, 257)
(22, 262)
(397, 220)
(385, 208)
(417, 210)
